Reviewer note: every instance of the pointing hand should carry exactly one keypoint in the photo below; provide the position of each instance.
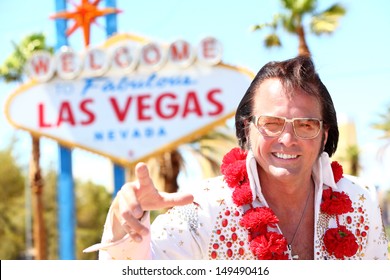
(138, 196)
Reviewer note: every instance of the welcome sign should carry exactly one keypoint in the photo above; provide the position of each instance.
(129, 99)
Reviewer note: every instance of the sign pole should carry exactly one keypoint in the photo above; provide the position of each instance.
(111, 29)
(111, 23)
(66, 205)
(65, 191)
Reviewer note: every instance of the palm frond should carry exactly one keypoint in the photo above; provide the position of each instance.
(209, 149)
(273, 24)
(291, 23)
(327, 21)
(299, 6)
(384, 126)
(272, 40)
(13, 67)
(259, 26)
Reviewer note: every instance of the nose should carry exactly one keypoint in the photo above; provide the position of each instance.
(287, 137)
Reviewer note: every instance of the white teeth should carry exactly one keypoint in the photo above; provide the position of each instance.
(285, 156)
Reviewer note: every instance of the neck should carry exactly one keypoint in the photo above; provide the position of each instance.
(286, 196)
(295, 211)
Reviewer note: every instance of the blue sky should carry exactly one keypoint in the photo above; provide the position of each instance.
(354, 62)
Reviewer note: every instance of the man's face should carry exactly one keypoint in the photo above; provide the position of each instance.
(285, 157)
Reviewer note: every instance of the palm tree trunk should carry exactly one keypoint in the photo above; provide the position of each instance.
(303, 48)
(170, 169)
(37, 203)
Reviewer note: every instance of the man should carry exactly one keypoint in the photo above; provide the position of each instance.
(280, 197)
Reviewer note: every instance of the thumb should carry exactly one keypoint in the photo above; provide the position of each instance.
(164, 199)
(176, 199)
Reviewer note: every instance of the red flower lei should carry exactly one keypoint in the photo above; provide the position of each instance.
(270, 245)
(338, 241)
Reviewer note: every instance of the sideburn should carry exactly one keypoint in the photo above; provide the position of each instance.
(322, 147)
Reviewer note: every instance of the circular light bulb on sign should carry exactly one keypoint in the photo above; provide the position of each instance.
(69, 63)
(210, 51)
(40, 66)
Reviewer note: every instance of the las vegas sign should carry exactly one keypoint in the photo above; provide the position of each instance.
(130, 98)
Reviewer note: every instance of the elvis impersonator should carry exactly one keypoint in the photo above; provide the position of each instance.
(279, 197)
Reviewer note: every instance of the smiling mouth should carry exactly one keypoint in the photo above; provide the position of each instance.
(285, 156)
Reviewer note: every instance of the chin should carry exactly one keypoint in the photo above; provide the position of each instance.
(280, 172)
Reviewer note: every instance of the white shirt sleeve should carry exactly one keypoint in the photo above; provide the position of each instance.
(125, 248)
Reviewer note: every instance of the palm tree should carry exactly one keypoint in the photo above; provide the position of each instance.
(384, 126)
(12, 71)
(209, 149)
(206, 151)
(352, 157)
(324, 22)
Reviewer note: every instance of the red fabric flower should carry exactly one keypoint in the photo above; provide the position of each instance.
(258, 219)
(340, 242)
(337, 171)
(235, 173)
(234, 167)
(269, 246)
(335, 203)
(242, 194)
(233, 155)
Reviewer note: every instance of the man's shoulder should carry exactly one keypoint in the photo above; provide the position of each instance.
(358, 188)
(211, 190)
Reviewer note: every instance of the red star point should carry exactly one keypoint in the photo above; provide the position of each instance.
(84, 15)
